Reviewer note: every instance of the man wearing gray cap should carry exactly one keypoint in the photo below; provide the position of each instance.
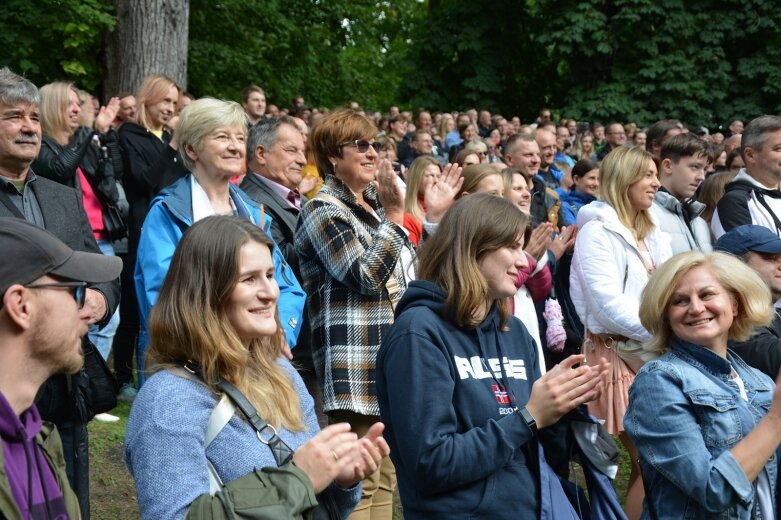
(59, 210)
(760, 248)
(42, 322)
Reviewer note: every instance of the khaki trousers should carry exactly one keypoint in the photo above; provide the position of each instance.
(377, 495)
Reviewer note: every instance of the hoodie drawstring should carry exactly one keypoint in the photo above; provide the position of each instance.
(502, 381)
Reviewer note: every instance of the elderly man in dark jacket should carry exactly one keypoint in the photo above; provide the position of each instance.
(760, 248)
(58, 209)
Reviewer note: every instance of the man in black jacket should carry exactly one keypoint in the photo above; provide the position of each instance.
(754, 195)
(760, 248)
(58, 209)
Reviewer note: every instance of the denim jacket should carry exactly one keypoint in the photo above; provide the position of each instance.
(684, 416)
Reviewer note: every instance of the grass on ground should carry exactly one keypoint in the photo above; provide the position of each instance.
(113, 495)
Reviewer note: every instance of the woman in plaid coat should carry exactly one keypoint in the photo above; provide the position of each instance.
(355, 260)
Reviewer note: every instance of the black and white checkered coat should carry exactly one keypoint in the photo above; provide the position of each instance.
(345, 275)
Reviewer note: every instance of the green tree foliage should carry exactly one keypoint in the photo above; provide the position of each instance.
(49, 40)
(329, 52)
(477, 54)
(702, 61)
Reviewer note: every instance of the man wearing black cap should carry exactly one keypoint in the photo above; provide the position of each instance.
(58, 209)
(760, 248)
(42, 323)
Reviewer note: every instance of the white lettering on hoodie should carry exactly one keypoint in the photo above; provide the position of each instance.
(475, 367)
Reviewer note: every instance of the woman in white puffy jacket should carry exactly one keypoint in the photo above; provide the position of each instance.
(616, 250)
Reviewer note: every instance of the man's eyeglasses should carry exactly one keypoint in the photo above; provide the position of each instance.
(363, 145)
(79, 294)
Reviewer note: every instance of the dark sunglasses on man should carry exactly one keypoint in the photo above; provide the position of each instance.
(79, 293)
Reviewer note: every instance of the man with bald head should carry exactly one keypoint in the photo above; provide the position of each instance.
(548, 172)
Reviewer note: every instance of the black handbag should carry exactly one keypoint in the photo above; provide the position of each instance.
(326, 508)
(114, 223)
(99, 387)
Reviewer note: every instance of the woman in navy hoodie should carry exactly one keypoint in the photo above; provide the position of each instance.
(458, 378)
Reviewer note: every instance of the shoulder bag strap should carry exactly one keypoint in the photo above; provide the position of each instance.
(266, 433)
(219, 418)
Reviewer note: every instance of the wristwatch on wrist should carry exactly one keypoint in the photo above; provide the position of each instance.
(528, 419)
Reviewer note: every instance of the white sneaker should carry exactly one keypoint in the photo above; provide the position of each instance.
(106, 417)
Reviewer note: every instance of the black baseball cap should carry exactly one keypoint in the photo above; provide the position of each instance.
(749, 237)
(32, 252)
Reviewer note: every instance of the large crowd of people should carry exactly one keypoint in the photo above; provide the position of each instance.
(316, 306)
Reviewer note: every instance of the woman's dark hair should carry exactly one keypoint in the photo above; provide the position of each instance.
(582, 167)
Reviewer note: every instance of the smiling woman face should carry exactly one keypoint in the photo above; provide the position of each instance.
(641, 192)
(253, 301)
(73, 111)
(356, 169)
(701, 310)
(500, 268)
(161, 112)
(588, 183)
(221, 152)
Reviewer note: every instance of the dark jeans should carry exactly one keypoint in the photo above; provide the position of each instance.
(75, 442)
(127, 333)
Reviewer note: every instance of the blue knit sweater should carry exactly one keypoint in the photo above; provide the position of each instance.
(164, 445)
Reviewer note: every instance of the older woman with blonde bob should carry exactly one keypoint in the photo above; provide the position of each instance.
(217, 316)
(706, 425)
(616, 250)
(211, 135)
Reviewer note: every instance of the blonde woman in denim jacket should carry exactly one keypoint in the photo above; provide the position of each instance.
(706, 425)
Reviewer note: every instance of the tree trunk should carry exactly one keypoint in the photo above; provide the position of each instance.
(150, 38)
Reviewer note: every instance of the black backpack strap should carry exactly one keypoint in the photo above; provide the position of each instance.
(266, 433)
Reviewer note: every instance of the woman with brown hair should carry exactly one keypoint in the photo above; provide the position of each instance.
(459, 382)
(481, 178)
(355, 259)
(216, 320)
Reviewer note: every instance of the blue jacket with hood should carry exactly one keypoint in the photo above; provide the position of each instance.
(170, 215)
(448, 398)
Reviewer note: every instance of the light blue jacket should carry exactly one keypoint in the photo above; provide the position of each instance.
(170, 214)
(685, 415)
(166, 438)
